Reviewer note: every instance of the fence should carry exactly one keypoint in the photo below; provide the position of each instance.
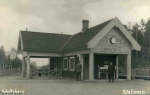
(142, 73)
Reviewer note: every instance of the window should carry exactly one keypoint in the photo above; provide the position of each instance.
(65, 63)
(72, 64)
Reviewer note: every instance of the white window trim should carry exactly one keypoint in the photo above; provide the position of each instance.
(65, 69)
(71, 69)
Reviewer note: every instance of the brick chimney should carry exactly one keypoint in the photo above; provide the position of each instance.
(85, 25)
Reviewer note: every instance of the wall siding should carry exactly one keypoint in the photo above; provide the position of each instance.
(106, 46)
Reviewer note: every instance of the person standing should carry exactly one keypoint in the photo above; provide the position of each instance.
(111, 72)
(99, 72)
(78, 71)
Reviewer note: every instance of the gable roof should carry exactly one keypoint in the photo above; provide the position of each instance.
(79, 40)
(61, 43)
(114, 23)
(43, 42)
(57, 43)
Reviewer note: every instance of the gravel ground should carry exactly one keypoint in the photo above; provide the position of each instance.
(72, 87)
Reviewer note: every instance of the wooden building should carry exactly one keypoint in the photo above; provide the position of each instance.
(92, 47)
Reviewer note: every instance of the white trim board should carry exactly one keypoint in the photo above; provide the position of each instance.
(21, 41)
(43, 54)
(77, 52)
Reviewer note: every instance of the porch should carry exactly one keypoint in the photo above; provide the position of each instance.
(89, 62)
(92, 61)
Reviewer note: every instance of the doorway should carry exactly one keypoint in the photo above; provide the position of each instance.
(101, 62)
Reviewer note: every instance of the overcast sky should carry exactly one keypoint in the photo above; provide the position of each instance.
(65, 16)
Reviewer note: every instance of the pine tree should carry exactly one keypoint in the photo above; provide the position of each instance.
(137, 30)
(2, 55)
(146, 46)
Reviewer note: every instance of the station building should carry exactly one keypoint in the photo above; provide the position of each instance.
(94, 47)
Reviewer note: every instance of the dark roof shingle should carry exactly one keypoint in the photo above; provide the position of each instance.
(79, 40)
(43, 42)
(59, 43)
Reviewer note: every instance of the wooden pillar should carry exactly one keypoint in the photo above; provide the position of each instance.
(91, 66)
(28, 67)
(117, 72)
(23, 67)
(49, 64)
(129, 66)
(81, 62)
(3, 67)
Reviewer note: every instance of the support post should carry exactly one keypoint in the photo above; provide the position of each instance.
(117, 72)
(28, 67)
(91, 66)
(23, 68)
(3, 67)
(49, 64)
(81, 62)
(129, 66)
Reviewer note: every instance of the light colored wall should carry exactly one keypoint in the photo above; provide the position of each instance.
(105, 46)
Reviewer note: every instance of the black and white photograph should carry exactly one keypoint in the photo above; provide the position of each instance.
(74, 47)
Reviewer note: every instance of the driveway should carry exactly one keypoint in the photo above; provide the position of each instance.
(72, 87)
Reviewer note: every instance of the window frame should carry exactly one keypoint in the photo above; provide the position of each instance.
(72, 64)
(65, 68)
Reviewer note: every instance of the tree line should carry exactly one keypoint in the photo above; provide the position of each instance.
(141, 33)
(6, 59)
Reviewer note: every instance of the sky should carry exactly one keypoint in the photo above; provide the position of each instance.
(63, 16)
(40, 61)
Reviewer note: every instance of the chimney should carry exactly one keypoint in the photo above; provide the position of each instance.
(85, 25)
